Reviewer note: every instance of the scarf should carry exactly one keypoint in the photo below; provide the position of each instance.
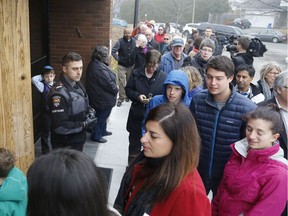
(143, 200)
(266, 90)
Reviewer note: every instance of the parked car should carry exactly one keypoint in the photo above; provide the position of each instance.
(119, 22)
(241, 23)
(270, 35)
(224, 30)
(187, 29)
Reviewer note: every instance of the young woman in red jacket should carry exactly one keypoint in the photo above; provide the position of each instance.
(163, 180)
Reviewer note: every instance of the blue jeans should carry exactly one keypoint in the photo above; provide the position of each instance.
(101, 125)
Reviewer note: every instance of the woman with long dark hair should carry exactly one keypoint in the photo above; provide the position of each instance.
(163, 180)
(66, 182)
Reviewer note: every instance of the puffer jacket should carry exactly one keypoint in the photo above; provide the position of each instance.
(13, 194)
(254, 182)
(218, 129)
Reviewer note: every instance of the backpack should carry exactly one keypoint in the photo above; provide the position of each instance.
(256, 48)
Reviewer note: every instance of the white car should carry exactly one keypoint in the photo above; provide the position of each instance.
(187, 29)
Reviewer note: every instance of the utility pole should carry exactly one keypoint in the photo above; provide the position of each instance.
(136, 13)
(193, 12)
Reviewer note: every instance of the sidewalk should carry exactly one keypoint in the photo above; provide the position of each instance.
(114, 153)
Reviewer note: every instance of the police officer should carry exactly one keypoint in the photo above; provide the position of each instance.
(68, 103)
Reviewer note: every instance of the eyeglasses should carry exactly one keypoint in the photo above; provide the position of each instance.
(152, 65)
(207, 50)
(274, 73)
(160, 29)
(166, 38)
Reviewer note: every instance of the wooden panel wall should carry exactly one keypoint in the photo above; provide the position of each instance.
(16, 127)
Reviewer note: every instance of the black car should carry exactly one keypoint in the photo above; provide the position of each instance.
(241, 23)
(224, 30)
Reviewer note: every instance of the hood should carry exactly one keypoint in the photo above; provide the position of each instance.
(248, 58)
(14, 186)
(274, 152)
(177, 78)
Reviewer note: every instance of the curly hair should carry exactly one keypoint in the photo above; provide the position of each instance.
(7, 160)
(101, 54)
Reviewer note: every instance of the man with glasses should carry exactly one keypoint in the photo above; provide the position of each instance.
(174, 59)
(200, 60)
(165, 46)
(209, 35)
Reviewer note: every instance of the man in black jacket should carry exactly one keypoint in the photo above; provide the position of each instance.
(242, 56)
(124, 46)
(150, 39)
(68, 103)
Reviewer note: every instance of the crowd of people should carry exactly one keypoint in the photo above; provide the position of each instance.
(197, 124)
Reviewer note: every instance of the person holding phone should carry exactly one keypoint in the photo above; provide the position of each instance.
(144, 83)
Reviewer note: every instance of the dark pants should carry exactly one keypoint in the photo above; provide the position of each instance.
(46, 128)
(74, 141)
(101, 125)
(134, 143)
(211, 184)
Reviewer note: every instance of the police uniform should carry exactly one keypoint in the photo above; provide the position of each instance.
(68, 103)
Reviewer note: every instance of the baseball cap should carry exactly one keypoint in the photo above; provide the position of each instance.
(177, 42)
(48, 67)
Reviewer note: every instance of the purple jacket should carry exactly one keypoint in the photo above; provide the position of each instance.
(254, 183)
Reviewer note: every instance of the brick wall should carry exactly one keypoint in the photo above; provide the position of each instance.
(78, 25)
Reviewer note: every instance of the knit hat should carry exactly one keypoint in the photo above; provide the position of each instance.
(48, 67)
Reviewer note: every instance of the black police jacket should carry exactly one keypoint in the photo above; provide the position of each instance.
(68, 107)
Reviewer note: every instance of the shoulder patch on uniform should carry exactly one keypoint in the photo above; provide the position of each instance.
(56, 100)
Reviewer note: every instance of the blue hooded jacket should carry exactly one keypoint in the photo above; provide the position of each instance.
(176, 78)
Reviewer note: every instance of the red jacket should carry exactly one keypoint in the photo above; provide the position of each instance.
(188, 199)
(159, 38)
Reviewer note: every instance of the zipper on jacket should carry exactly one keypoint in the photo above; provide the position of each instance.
(213, 144)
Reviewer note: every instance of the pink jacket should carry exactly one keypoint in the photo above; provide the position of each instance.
(254, 183)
